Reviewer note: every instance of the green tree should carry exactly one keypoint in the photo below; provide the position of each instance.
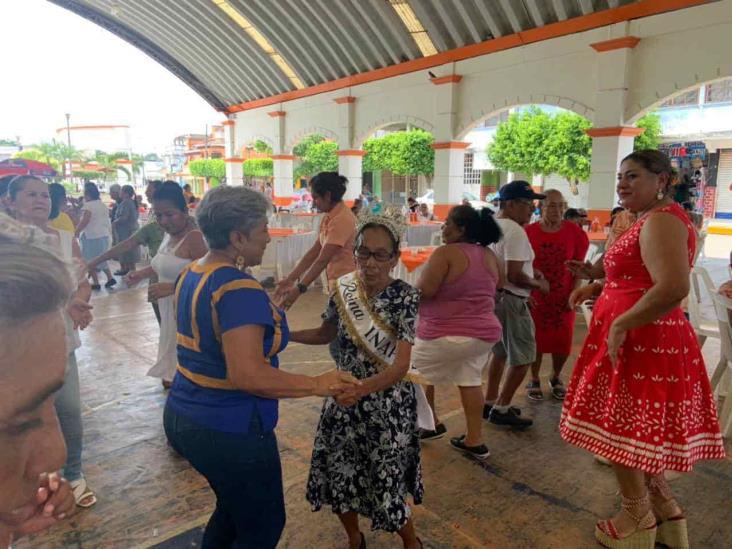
(318, 156)
(213, 169)
(262, 147)
(258, 167)
(402, 153)
(152, 157)
(302, 147)
(537, 143)
(651, 137)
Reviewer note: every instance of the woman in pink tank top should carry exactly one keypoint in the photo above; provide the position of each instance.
(457, 327)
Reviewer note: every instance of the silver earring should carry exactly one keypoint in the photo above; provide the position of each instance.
(659, 195)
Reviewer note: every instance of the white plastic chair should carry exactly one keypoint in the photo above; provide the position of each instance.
(722, 375)
(703, 326)
(436, 238)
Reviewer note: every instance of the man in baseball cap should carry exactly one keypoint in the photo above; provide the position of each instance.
(517, 347)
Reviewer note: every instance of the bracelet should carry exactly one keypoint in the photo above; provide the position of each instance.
(302, 287)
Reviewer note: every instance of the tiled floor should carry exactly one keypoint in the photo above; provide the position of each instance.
(533, 492)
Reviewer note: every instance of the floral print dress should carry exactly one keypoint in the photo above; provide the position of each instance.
(366, 457)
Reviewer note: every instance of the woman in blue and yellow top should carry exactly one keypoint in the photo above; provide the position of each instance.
(222, 409)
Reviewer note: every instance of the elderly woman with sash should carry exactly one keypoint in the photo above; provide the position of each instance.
(366, 453)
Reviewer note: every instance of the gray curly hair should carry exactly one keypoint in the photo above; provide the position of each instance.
(226, 209)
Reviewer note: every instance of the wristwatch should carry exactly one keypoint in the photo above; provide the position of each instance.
(302, 287)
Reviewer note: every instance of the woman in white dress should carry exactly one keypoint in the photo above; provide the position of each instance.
(182, 243)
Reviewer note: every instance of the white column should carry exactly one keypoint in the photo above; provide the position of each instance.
(449, 174)
(234, 171)
(611, 138)
(283, 178)
(350, 165)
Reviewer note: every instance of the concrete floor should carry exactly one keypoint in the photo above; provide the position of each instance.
(533, 492)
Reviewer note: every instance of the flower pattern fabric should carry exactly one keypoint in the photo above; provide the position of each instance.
(656, 410)
(366, 457)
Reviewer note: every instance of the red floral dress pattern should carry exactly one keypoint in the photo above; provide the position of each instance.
(655, 411)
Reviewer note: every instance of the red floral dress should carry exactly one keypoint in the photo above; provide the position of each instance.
(656, 411)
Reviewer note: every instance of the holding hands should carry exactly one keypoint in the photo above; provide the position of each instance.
(581, 269)
(341, 385)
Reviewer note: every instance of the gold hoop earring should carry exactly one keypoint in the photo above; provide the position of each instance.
(240, 263)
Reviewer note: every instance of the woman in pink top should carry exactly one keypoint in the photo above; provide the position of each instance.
(457, 327)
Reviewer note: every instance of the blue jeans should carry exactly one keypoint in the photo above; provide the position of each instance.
(244, 472)
(68, 409)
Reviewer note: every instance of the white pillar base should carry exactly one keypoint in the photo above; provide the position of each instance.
(449, 176)
(284, 187)
(234, 172)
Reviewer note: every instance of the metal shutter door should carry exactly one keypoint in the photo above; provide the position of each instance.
(724, 181)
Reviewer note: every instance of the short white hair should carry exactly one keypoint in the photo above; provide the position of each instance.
(225, 209)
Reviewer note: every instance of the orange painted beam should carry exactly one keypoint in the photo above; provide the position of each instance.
(228, 123)
(108, 127)
(616, 44)
(644, 8)
(451, 145)
(450, 79)
(625, 131)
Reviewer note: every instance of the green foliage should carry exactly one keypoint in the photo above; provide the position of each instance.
(537, 143)
(402, 153)
(151, 157)
(9, 142)
(87, 175)
(651, 138)
(258, 167)
(208, 167)
(302, 147)
(319, 157)
(262, 147)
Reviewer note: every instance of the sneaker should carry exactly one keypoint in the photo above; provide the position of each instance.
(439, 432)
(488, 407)
(509, 418)
(478, 452)
(96, 287)
(111, 282)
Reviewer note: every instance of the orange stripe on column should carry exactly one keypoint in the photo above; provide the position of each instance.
(276, 114)
(616, 44)
(625, 131)
(351, 152)
(228, 123)
(451, 145)
(450, 79)
(441, 210)
(345, 100)
(283, 157)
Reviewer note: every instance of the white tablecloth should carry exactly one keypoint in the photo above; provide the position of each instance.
(421, 235)
(406, 276)
(283, 253)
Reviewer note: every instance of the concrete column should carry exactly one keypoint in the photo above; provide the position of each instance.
(611, 138)
(282, 163)
(234, 172)
(350, 165)
(448, 179)
(284, 187)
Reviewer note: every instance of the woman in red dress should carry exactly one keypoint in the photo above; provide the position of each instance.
(639, 395)
(555, 242)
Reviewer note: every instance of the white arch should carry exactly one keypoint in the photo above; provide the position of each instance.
(567, 103)
(302, 134)
(671, 90)
(376, 125)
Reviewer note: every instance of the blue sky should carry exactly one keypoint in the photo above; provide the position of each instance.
(54, 62)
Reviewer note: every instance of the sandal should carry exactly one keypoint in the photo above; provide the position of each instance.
(558, 390)
(644, 535)
(83, 496)
(671, 521)
(533, 390)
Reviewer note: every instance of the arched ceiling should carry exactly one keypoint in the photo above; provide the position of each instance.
(237, 51)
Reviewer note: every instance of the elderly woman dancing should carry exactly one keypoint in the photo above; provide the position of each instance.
(366, 453)
(639, 395)
(222, 410)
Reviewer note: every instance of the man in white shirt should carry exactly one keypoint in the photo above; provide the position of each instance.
(517, 347)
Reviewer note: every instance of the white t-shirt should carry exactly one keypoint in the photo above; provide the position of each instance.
(514, 246)
(99, 223)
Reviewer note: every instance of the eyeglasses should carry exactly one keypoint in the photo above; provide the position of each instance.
(382, 256)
